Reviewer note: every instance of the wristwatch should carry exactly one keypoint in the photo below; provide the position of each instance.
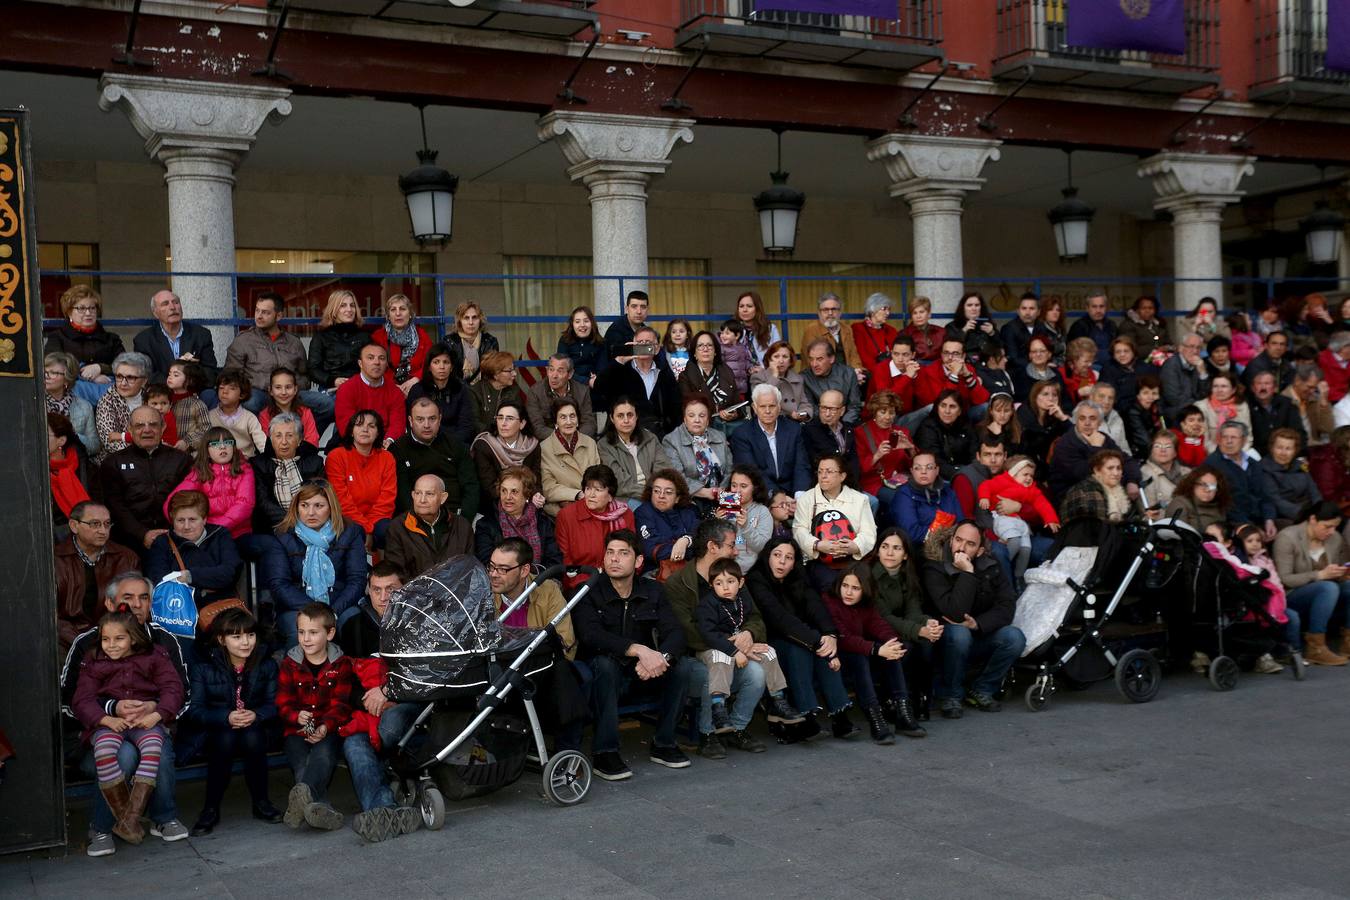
(670, 660)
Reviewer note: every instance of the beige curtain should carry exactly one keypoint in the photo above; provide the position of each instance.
(803, 296)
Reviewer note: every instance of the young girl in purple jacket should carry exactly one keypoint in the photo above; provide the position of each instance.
(126, 665)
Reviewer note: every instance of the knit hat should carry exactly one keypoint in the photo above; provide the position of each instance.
(1015, 467)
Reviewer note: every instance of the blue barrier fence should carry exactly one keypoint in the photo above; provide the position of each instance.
(1253, 291)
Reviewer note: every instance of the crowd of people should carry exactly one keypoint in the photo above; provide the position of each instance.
(820, 531)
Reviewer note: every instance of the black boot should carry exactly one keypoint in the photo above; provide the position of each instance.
(924, 708)
(842, 726)
(881, 732)
(905, 721)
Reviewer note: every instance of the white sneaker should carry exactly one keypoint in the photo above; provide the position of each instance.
(100, 844)
(1200, 663)
(1266, 665)
(170, 831)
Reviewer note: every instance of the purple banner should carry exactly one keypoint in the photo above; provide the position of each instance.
(1155, 26)
(876, 9)
(1338, 35)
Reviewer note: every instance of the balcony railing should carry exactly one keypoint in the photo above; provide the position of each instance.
(917, 21)
(1291, 43)
(1031, 29)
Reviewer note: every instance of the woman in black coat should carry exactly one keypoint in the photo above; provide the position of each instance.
(284, 450)
(1043, 420)
(801, 632)
(206, 553)
(336, 345)
(947, 433)
(440, 382)
(85, 338)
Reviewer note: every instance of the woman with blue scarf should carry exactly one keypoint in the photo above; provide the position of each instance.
(317, 556)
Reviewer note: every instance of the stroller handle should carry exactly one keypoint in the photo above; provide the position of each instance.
(550, 572)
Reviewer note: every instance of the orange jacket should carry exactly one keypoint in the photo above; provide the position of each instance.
(365, 485)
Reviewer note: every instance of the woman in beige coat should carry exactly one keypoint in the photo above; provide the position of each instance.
(563, 456)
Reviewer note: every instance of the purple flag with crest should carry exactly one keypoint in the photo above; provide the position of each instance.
(877, 9)
(1338, 35)
(1155, 26)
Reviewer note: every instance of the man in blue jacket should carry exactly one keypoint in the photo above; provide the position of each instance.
(1245, 479)
(772, 444)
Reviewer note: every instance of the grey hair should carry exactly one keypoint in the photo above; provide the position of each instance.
(138, 361)
(65, 361)
(828, 295)
(439, 480)
(1338, 341)
(563, 357)
(1306, 370)
(875, 302)
(762, 389)
(287, 418)
(157, 293)
(1235, 425)
(1104, 386)
(114, 586)
(1087, 404)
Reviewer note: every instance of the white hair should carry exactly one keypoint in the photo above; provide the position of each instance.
(762, 389)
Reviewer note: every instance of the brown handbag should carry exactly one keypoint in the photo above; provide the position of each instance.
(668, 568)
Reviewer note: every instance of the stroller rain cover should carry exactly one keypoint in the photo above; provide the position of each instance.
(439, 624)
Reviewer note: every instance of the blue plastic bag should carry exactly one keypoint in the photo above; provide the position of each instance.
(173, 608)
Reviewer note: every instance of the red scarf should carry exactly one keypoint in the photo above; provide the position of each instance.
(66, 488)
(569, 446)
(81, 329)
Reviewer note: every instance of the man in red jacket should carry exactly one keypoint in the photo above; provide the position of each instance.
(370, 389)
(952, 372)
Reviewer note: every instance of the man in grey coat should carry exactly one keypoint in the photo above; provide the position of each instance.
(825, 373)
(1184, 377)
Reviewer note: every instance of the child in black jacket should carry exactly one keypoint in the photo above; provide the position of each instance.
(722, 613)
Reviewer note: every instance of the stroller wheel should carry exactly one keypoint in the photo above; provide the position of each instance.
(1038, 695)
(567, 777)
(431, 803)
(1299, 666)
(1138, 676)
(1223, 674)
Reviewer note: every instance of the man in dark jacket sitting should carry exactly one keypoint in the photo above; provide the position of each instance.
(629, 637)
(137, 479)
(427, 450)
(359, 637)
(429, 534)
(967, 590)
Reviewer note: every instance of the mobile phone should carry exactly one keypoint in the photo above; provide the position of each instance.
(895, 438)
(644, 349)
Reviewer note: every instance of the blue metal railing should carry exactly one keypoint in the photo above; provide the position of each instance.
(905, 289)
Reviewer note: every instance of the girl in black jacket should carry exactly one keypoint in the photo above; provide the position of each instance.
(802, 633)
(234, 694)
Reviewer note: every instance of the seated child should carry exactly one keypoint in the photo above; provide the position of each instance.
(735, 354)
(314, 692)
(1252, 544)
(185, 381)
(720, 614)
(158, 396)
(232, 390)
(1018, 483)
(126, 665)
(234, 694)
(1191, 450)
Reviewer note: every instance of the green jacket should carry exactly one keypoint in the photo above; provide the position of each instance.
(682, 592)
(899, 606)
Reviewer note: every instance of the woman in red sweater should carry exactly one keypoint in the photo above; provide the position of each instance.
(868, 646)
(581, 527)
(883, 447)
(406, 341)
(363, 476)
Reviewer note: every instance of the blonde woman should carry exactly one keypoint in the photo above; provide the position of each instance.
(336, 345)
(470, 342)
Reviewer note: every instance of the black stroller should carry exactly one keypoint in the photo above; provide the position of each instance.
(446, 647)
(1096, 611)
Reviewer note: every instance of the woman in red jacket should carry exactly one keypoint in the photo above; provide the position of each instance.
(363, 476)
(406, 341)
(869, 647)
(883, 447)
(581, 527)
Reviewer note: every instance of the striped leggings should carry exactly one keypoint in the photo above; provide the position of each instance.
(149, 743)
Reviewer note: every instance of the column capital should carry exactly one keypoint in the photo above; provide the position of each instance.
(608, 146)
(173, 114)
(921, 165)
(1202, 182)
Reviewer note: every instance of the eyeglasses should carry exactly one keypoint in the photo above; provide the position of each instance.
(128, 379)
(831, 408)
(84, 310)
(99, 525)
(502, 418)
(1207, 486)
(495, 569)
(828, 309)
(662, 492)
(953, 354)
(828, 472)
(224, 443)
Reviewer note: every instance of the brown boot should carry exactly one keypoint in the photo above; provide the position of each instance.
(118, 797)
(1317, 653)
(128, 826)
(1344, 649)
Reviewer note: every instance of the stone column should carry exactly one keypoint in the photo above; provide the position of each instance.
(933, 175)
(200, 132)
(616, 157)
(1194, 188)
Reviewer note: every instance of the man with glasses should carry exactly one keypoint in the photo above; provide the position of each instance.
(647, 381)
(558, 384)
(715, 539)
(772, 444)
(1244, 478)
(138, 479)
(429, 534)
(632, 645)
(954, 373)
(1185, 379)
(825, 373)
(427, 450)
(827, 434)
(85, 565)
(828, 326)
(170, 339)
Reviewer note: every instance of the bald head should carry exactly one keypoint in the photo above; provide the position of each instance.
(428, 495)
(147, 427)
(831, 407)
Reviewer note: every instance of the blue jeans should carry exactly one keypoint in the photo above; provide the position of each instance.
(257, 399)
(395, 722)
(961, 647)
(162, 808)
(367, 773)
(805, 673)
(611, 682)
(747, 684)
(88, 390)
(287, 629)
(862, 670)
(1040, 547)
(1316, 604)
(313, 764)
(912, 420)
(321, 404)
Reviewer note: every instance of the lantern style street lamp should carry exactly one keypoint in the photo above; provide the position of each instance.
(1071, 220)
(430, 194)
(779, 208)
